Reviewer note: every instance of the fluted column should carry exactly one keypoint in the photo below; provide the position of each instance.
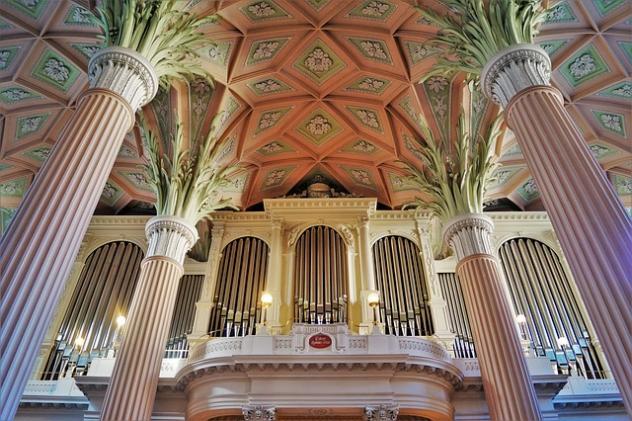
(130, 395)
(506, 381)
(594, 231)
(38, 249)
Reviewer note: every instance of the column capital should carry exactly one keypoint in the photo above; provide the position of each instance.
(381, 413)
(514, 69)
(258, 413)
(170, 236)
(469, 234)
(124, 72)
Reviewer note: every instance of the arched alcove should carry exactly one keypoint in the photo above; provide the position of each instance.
(241, 279)
(399, 277)
(103, 292)
(541, 291)
(320, 277)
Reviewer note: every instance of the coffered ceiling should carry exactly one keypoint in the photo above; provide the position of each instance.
(312, 87)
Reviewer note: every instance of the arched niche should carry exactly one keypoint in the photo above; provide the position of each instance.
(542, 292)
(321, 276)
(102, 293)
(241, 279)
(399, 277)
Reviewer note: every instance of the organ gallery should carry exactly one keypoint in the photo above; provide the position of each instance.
(315, 210)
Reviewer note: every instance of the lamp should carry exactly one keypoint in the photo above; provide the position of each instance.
(266, 301)
(562, 342)
(79, 342)
(373, 298)
(521, 319)
(120, 321)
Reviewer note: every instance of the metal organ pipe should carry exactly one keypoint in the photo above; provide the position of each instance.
(542, 292)
(103, 292)
(459, 321)
(241, 280)
(182, 320)
(321, 280)
(399, 276)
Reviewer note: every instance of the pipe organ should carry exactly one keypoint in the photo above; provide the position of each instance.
(320, 277)
(182, 320)
(103, 292)
(240, 282)
(542, 292)
(400, 278)
(459, 322)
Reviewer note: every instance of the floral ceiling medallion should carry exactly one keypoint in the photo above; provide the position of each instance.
(276, 177)
(368, 118)
(373, 9)
(611, 121)
(370, 85)
(261, 10)
(265, 50)
(583, 66)
(269, 119)
(268, 86)
(319, 62)
(16, 94)
(361, 177)
(319, 127)
(55, 70)
(28, 125)
(373, 49)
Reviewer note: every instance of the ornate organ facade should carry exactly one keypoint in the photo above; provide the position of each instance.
(230, 355)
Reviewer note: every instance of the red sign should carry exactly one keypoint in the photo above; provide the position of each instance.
(320, 341)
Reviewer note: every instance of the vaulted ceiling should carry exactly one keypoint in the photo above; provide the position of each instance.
(311, 87)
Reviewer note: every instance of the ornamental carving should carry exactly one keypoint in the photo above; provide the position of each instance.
(376, 9)
(319, 125)
(258, 413)
(56, 70)
(381, 413)
(261, 9)
(265, 50)
(373, 49)
(582, 66)
(371, 84)
(268, 85)
(318, 61)
(367, 117)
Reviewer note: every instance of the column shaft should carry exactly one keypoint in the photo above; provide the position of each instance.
(132, 389)
(506, 381)
(38, 249)
(508, 387)
(589, 220)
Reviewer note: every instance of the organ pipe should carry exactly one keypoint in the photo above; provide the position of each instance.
(541, 291)
(241, 280)
(458, 316)
(320, 276)
(399, 276)
(103, 292)
(182, 320)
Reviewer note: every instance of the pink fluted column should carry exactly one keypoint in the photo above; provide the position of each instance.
(594, 231)
(132, 390)
(39, 248)
(507, 384)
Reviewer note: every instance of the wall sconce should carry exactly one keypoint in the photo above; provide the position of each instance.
(373, 298)
(266, 301)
